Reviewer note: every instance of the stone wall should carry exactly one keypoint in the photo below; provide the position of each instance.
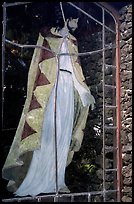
(126, 100)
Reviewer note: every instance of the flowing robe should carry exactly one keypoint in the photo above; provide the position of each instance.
(30, 164)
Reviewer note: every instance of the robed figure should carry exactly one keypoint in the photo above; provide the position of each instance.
(52, 79)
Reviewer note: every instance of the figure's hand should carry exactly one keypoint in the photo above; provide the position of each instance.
(92, 101)
(88, 99)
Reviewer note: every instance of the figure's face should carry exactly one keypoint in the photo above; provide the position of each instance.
(73, 24)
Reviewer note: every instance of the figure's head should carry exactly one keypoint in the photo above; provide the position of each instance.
(72, 24)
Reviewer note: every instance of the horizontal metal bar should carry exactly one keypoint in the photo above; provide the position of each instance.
(86, 53)
(91, 17)
(108, 170)
(110, 86)
(9, 129)
(56, 54)
(109, 65)
(110, 148)
(110, 45)
(110, 106)
(28, 46)
(110, 127)
(93, 52)
(91, 193)
(59, 195)
(15, 4)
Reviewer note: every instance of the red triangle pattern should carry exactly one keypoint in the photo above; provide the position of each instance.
(46, 54)
(74, 42)
(27, 131)
(42, 80)
(78, 61)
(34, 104)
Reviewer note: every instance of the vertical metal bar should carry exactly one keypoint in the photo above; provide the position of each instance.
(119, 158)
(103, 71)
(55, 129)
(89, 197)
(114, 111)
(39, 199)
(55, 117)
(72, 198)
(56, 198)
(3, 58)
(63, 16)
